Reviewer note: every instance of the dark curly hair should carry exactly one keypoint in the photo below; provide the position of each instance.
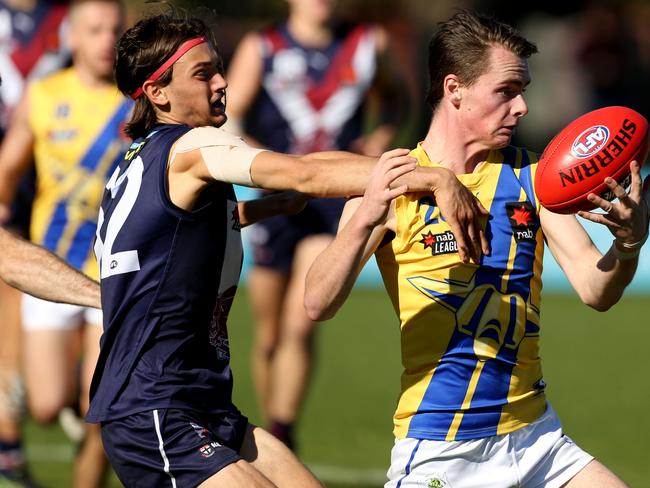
(142, 50)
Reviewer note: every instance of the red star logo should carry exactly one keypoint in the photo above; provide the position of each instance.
(428, 240)
(521, 216)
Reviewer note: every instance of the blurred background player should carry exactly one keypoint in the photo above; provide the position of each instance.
(71, 123)
(31, 46)
(301, 86)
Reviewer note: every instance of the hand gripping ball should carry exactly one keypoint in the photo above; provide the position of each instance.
(596, 145)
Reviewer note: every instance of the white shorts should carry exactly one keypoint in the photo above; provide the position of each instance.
(40, 314)
(538, 455)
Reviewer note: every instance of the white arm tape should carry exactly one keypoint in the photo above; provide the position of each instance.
(227, 157)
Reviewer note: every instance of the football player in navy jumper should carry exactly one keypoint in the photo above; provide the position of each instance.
(169, 248)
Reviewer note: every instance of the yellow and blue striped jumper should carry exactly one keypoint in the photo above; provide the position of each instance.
(78, 142)
(469, 333)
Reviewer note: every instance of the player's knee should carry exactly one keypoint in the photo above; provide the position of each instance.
(44, 412)
(45, 405)
(298, 330)
(266, 345)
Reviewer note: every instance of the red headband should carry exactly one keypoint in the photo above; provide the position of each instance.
(183, 48)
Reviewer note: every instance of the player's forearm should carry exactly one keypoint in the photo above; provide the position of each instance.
(36, 271)
(424, 179)
(323, 174)
(334, 272)
(599, 280)
(605, 283)
(335, 174)
(283, 203)
(252, 211)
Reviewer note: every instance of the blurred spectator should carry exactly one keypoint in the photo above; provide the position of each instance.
(304, 85)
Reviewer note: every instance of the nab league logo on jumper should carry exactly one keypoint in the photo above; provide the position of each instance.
(523, 220)
(590, 141)
(444, 243)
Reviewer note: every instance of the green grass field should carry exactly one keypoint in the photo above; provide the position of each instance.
(596, 366)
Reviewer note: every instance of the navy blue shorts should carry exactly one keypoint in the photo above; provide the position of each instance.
(275, 239)
(170, 447)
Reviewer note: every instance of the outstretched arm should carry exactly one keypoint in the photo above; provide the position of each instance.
(600, 279)
(337, 173)
(362, 227)
(205, 154)
(282, 203)
(36, 271)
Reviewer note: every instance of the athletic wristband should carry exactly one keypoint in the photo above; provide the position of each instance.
(622, 255)
(635, 245)
(631, 250)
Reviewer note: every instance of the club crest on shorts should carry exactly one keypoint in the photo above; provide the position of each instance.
(208, 450)
(435, 483)
(523, 220)
(438, 480)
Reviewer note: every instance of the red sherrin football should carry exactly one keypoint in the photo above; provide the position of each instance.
(598, 144)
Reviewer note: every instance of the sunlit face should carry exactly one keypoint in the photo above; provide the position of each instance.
(94, 30)
(492, 106)
(197, 92)
(319, 11)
